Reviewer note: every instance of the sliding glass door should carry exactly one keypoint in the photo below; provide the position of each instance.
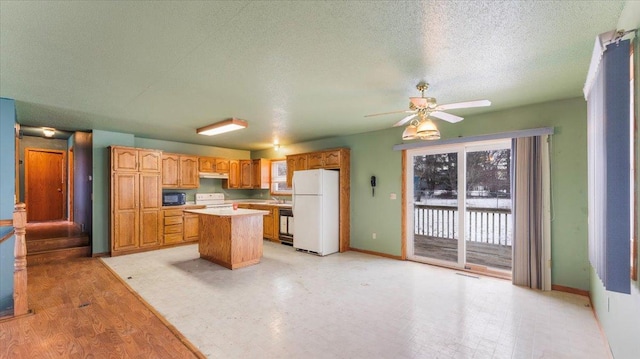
(460, 208)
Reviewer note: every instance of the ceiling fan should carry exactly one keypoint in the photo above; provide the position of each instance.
(422, 108)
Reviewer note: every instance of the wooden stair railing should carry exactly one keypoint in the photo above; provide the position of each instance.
(20, 305)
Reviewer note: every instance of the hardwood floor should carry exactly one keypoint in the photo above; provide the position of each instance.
(82, 310)
(55, 241)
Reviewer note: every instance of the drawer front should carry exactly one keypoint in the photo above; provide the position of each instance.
(172, 220)
(173, 238)
(174, 228)
(172, 212)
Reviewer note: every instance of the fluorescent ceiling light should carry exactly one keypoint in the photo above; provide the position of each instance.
(217, 128)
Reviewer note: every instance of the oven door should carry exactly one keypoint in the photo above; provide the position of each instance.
(286, 227)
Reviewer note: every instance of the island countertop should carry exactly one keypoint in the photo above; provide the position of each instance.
(228, 212)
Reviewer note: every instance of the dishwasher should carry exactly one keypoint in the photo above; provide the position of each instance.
(286, 226)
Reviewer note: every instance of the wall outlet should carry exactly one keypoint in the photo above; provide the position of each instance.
(373, 235)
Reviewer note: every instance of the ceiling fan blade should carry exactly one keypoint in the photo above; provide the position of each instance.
(446, 116)
(404, 120)
(389, 113)
(467, 104)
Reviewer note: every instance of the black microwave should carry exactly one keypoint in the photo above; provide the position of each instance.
(174, 198)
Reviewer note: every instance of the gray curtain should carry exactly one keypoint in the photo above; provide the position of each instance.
(531, 237)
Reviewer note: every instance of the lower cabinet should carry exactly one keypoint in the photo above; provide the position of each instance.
(270, 222)
(179, 226)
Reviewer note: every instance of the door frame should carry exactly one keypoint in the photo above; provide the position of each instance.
(64, 174)
(408, 200)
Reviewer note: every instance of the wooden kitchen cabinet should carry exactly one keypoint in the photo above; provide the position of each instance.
(324, 159)
(207, 164)
(245, 174)
(270, 222)
(189, 172)
(134, 159)
(296, 163)
(261, 174)
(179, 171)
(179, 226)
(191, 229)
(222, 165)
(234, 175)
(136, 199)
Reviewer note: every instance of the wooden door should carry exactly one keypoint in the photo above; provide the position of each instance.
(45, 178)
(188, 177)
(150, 205)
(222, 165)
(169, 171)
(291, 166)
(206, 164)
(245, 173)
(124, 159)
(191, 229)
(316, 160)
(234, 174)
(126, 216)
(149, 160)
(331, 159)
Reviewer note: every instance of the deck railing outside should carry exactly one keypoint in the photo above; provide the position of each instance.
(484, 225)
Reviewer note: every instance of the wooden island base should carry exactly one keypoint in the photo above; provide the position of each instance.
(232, 239)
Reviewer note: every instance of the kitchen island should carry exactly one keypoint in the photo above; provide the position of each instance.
(230, 238)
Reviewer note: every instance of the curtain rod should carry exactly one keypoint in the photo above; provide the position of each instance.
(492, 136)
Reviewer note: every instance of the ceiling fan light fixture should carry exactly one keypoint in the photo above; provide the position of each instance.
(217, 128)
(409, 133)
(427, 130)
(419, 102)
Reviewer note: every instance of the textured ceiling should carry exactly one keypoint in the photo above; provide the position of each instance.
(295, 71)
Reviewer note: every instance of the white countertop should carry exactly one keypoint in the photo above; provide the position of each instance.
(226, 212)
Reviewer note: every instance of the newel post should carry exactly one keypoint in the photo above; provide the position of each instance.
(20, 305)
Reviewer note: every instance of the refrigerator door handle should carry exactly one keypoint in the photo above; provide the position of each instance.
(293, 189)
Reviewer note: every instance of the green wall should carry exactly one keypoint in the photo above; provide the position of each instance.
(101, 182)
(372, 154)
(619, 314)
(7, 191)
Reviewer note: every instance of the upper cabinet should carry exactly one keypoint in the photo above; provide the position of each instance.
(260, 173)
(249, 174)
(324, 159)
(295, 163)
(222, 165)
(207, 164)
(179, 171)
(134, 159)
(245, 174)
(213, 165)
(329, 159)
(188, 172)
(234, 175)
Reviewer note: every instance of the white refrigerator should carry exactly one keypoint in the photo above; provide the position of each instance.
(316, 211)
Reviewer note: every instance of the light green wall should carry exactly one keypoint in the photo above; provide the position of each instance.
(372, 154)
(101, 181)
(619, 314)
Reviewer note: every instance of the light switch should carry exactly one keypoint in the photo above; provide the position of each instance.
(393, 196)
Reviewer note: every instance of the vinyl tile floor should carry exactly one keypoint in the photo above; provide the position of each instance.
(353, 305)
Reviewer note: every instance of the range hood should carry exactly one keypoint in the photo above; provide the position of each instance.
(213, 175)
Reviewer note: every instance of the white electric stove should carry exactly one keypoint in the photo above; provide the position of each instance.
(212, 200)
